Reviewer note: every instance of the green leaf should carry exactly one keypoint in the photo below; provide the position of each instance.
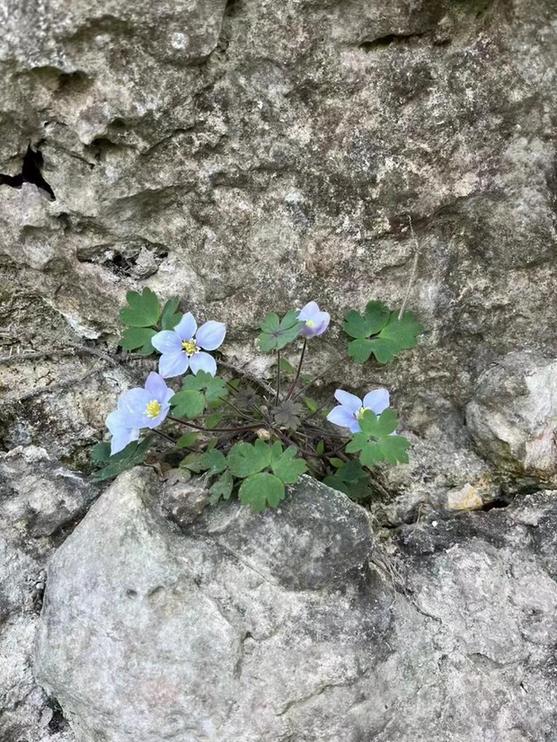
(378, 426)
(358, 442)
(311, 404)
(371, 454)
(377, 315)
(170, 317)
(246, 459)
(397, 335)
(213, 386)
(360, 350)
(143, 309)
(395, 449)
(381, 332)
(214, 461)
(222, 488)
(392, 449)
(352, 479)
(100, 453)
(371, 322)
(286, 367)
(287, 467)
(187, 440)
(261, 490)
(194, 462)
(212, 421)
(132, 455)
(277, 333)
(138, 337)
(188, 403)
(320, 448)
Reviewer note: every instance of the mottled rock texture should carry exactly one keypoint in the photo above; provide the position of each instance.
(251, 155)
(288, 626)
(40, 501)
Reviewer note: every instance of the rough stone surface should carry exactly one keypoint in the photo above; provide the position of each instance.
(40, 501)
(242, 151)
(207, 633)
(252, 155)
(513, 416)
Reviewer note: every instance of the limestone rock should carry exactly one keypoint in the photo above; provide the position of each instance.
(513, 416)
(297, 625)
(40, 501)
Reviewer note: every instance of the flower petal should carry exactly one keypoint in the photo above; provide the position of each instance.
(203, 362)
(186, 327)
(350, 401)
(122, 434)
(173, 364)
(309, 311)
(322, 322)
(210, 335)
(341, 416)
(132, 405)
(157, 388)
(155, 421)
(115, 421)
(166, 341)
(121, 438)
(377, 401)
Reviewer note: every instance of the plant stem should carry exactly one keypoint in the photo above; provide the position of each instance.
(163, 435)
(277, 396)
(298, 370)
(238, 410)
(213, 430)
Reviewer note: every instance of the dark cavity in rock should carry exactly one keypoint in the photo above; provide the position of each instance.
(30, 173)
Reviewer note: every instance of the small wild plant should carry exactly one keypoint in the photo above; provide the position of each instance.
(250, 438)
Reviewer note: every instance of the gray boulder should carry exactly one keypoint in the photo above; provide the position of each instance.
(297, 625)
(40, 503)
(513, 416)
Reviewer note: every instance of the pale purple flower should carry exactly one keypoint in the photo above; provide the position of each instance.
(316, 321)
(347, 414)
(138, 408)
(184, 346)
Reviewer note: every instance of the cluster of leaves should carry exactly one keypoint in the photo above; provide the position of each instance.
(261, 470)
(277, 333)
(380, 332)
(251, 440)
(143, 317)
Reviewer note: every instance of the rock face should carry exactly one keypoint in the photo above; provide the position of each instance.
(297, 625)
(40, 501)
(252, 155)
(513, 417)
(249, 156)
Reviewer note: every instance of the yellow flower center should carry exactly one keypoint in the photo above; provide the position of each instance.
(310, 323)
(190, 346)
(153, 408)
(360, 413)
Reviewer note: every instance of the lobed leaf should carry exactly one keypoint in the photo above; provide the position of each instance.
(246, 459)
(287, 467)
(277, 333)
(222, 488)
(138, 337)
(143, 309)
(170, 317)
(214, 461)
(188, 403)
(379, 426)
(262, 490)
(132, 455)
(213, 387)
